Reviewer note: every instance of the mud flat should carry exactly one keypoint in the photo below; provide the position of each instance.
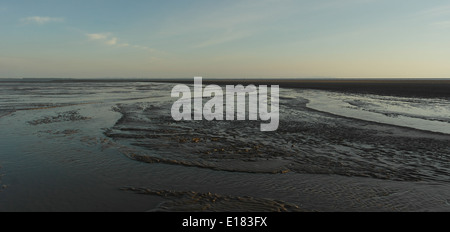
(209, 202)
(76, 145)
(425, 87)
(69, 116)
(307, 141)
(4, 113)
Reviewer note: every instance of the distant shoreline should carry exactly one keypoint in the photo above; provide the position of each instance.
(419, 87)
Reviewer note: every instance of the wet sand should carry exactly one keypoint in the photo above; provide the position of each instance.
(307, 141)
(114, 147)
(416, 87)
(426, 87)
(209, 202)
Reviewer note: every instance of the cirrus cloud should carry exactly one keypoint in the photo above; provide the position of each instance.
(98, 36)
(110, 40)
(42, 20)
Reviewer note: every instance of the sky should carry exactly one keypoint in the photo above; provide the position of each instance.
(224, 39)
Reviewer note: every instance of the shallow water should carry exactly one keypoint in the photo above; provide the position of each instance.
(429, 114)
(80, 146)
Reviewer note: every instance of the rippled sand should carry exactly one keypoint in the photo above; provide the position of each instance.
(210, 202)
(74, 146)
(307, 141)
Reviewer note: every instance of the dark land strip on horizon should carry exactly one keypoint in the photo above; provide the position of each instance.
(429, 88)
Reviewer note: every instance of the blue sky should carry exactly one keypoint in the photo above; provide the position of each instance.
(219, 39)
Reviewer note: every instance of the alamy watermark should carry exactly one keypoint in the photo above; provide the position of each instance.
(235, 97)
